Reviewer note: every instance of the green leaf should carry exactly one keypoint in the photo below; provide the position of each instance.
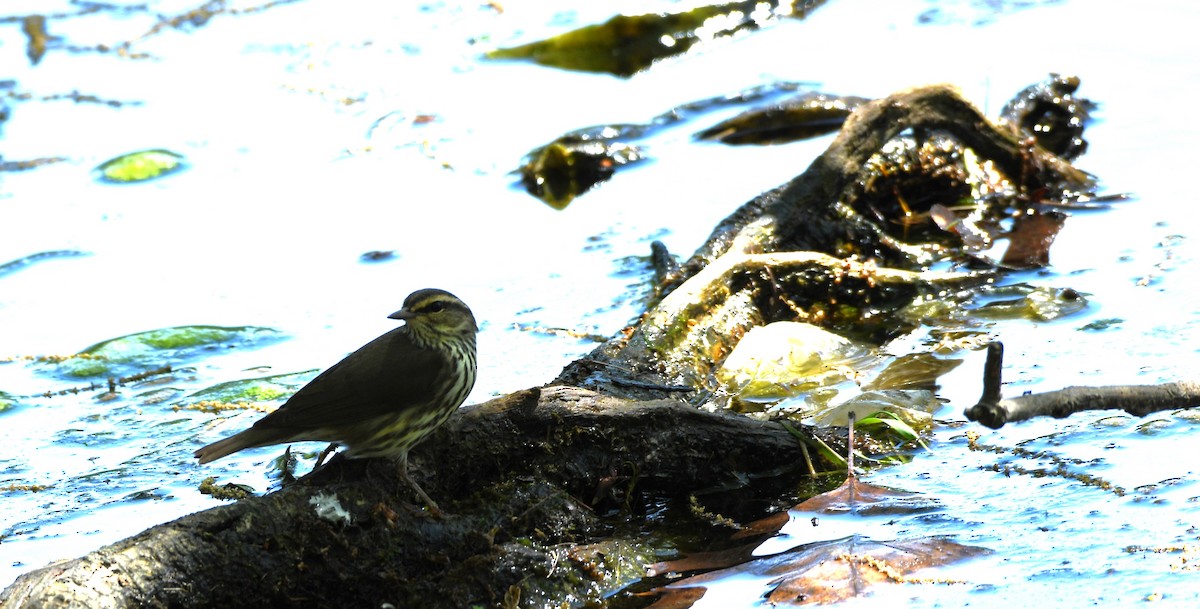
(140, 166)
(262, 389)
(992, 303)
(891, 423)
(627, 44)
(786, 358)
(7, 402)
(823, 449)
(914, 407)
(132, 352)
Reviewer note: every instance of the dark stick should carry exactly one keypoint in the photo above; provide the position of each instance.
(1139, 400)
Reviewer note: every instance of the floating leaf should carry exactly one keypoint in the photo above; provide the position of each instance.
(912, 406)
(859, 498)
(627, 44)
(804, 570)
(568, 167)
(833, 571)
(378, 256)
(913, 371)
(114, 356)
(852, 497)
(1030, 239)
(1037, 304)
(1102, 324)
(140, 166)
(7, 402)
(784, 359)
(995, 303)
(262, 389)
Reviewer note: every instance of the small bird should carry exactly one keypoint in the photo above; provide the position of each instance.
(383, 399)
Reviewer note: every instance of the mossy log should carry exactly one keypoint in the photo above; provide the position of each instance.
(520, 478)
(525, 476)
(687, 335)
(805, 215)
(800, 252)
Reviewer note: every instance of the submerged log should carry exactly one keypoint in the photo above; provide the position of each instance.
(803, 252)
(345, 536)
(804, 214)
(684, 338)
(524, 476)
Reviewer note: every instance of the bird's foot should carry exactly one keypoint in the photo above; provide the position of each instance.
(430, 504)
(325, 453)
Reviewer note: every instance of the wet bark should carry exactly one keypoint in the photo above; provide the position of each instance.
(537, 465)
(994, 410)
(524, 476)
(807, 225)
(684, 338)
(802, 215)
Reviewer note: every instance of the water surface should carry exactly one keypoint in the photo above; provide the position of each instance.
(299, 125)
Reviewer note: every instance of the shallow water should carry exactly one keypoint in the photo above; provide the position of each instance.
(288, 184)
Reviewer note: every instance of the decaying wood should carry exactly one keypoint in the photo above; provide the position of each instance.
(496, 486)
(1139, 400)
(803, 214)
(784, 254)
(525, 474)
(686, 335)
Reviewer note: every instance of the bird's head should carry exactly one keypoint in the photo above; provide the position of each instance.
(436, 314)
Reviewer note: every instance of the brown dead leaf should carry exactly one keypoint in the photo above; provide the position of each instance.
(1030, 239)
(853, 497)
(828, 571)
(704, 561)
(824, 571)
(674, 598)
(857, 497)
(835, 571)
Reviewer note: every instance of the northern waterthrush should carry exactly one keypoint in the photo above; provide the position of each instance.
(383, 399)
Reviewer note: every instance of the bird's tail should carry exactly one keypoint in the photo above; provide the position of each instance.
(225, 447)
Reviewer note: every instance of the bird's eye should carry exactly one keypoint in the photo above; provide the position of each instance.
(435, 307)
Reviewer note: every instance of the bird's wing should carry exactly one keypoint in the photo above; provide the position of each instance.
(388, 374)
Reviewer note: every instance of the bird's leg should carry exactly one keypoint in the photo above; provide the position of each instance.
(325, 453)
(429, 502)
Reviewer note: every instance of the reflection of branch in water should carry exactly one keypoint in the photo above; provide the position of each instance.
(200, 15)
(1139, 400)
(1061, 467)
(113, 382)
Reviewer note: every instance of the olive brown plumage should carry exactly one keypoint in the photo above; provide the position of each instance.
(384, 398)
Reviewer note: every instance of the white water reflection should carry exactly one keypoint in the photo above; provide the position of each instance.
(288, 186)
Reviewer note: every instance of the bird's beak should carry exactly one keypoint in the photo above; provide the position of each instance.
(402, 314)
